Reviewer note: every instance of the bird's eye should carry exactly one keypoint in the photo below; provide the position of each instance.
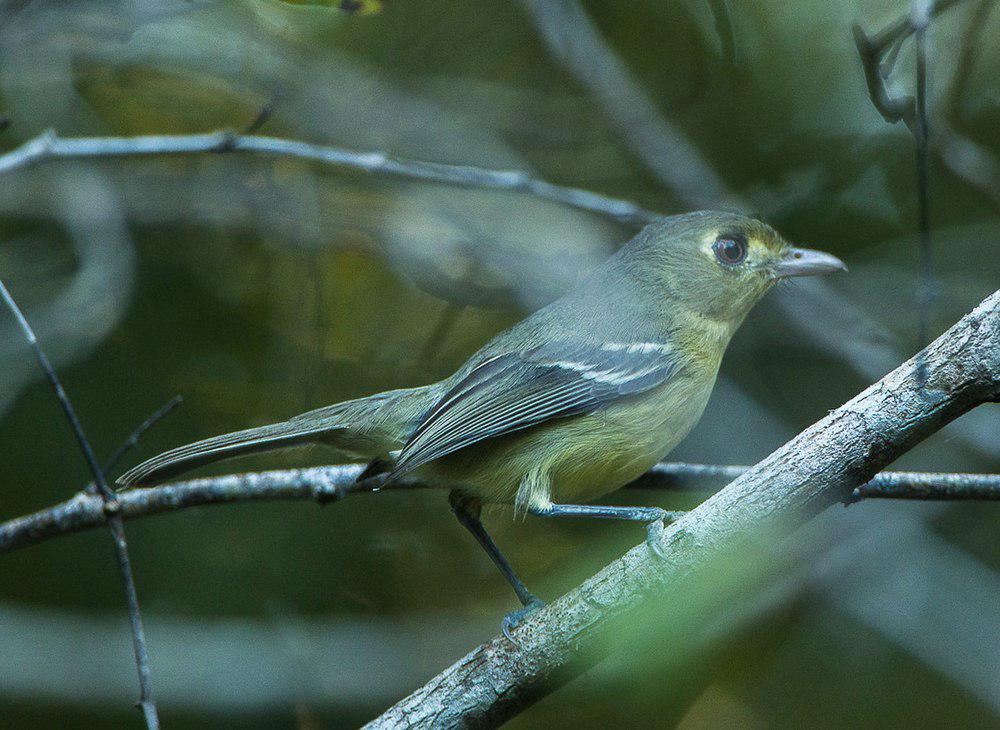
(730, 249)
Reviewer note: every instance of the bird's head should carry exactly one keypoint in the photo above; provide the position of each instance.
(720, 264)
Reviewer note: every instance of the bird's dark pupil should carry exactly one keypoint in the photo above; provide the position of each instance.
(730, 250)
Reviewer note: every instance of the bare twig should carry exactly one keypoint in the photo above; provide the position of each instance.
(49, 146)
(902, 28)
(908, 485)
(133, 439)
(330, 483)
(576, 42)
(963, 157)
(83, 511)
(821, 465)
(886, 484)
(266, 111)
(109, 511)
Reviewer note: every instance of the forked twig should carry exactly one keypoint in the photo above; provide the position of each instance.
(111, 509)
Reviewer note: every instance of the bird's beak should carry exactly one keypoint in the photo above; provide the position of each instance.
(807, 262)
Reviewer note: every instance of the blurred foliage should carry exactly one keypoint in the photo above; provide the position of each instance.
(260, 287)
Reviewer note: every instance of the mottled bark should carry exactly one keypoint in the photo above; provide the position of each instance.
(822, 465)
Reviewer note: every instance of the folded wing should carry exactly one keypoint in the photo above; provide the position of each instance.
(514, 391)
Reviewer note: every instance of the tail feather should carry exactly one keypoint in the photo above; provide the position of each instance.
(251, 440)
(364, 428)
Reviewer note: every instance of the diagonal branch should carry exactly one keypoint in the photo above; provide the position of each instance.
(820, 466)
(576, 42)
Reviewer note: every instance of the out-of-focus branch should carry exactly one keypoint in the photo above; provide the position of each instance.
(902, 28)
(821, 465)
(330, 483)
(968, 53)
(576, 42)
(963, 157)
(50, 146)
(101, 492)
(724, 29)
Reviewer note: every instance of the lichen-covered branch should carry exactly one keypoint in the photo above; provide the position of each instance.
(820, 466)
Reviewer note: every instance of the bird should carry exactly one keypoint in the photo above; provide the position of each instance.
(576, 400)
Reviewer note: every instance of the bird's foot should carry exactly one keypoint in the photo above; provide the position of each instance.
(654, 536)
(515, 618)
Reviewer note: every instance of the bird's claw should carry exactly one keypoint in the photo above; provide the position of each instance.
(654, 538)
(515, 618)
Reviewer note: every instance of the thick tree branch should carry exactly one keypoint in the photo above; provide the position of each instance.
(821, 465)
(49, 146)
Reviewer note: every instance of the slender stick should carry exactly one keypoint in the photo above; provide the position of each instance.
(910, 485)
(971, 162)
(331, 483)
(133, 439)
(885, 485)
(904, 27)
(110, 511)
(49, 146)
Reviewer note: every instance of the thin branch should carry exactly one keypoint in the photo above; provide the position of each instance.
(909, 485)
(50, 146)
(820, 466)
(878, 55)
(330, 483)
(84, 511)
(902, 28)
(131, 442)
(577, 43)
(963, 157)
(109, 506)
(886, 484)
(266, 111)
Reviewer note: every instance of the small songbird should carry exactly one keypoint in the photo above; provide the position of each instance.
(570, 404)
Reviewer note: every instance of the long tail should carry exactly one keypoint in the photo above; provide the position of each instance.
(365, 428)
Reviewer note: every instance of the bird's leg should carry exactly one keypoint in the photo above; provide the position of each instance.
(467, 511)
(652, 516)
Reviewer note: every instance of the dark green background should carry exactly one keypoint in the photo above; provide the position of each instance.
(261, 287)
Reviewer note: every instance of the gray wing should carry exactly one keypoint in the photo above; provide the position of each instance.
(515, 391)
